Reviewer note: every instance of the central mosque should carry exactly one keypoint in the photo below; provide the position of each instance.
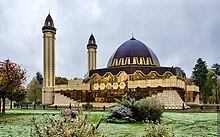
(133, 69)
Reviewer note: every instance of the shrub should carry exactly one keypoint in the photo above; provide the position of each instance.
(69, 113)
(121, 111)
(152, 129)
(120, 114)
(130, 103)
(130, 110)
(87, 106)
(64, 126)
(149, 109)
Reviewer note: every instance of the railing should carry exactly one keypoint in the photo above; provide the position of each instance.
(60, 107)
(191, 108)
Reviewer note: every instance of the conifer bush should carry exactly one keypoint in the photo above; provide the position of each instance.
(130, 103)
(149, 109)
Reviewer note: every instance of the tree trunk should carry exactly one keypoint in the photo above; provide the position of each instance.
(11, 105)
(204, 98)
(0, 105)
(3, 105)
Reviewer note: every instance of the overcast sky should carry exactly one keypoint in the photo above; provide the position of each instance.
(178, 31)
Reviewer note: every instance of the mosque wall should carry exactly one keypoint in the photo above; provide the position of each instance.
(48, 95)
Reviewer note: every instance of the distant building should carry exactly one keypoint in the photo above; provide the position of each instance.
(133, 69)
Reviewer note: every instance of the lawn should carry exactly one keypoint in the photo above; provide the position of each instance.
(16, 123)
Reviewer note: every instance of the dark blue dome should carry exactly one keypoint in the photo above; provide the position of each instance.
(138, 52)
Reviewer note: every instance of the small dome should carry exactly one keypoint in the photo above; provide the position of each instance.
(133, 52)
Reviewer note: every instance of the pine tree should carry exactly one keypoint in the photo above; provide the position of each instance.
(39, 78)
(199, 76)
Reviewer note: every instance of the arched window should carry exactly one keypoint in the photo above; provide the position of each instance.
(115, 62)
(121, 61)
(127, 61)
(135, 60)
(142, 61)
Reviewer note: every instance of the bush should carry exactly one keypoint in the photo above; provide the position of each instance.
(120, 114)
(121, 111)
(87, 106)
(152, 129)
(64, 126)
(130, 103)
(149, 109)
(130, 110)
(69, 113)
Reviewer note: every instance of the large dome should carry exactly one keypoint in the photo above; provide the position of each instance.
(133, 52)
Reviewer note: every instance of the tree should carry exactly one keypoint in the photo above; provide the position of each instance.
(39, 78)
(61, 80)
(216, 69)
(18, 95)
(12, 76)
(210, 83)
(199, 76)
(179, 68)
(34, 89)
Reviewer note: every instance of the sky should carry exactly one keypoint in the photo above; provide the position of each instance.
(178, 31)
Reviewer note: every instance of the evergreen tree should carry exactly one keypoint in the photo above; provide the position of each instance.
(199, 76)
(39, 78)
(216, 69)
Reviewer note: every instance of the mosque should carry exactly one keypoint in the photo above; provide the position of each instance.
(133, 69)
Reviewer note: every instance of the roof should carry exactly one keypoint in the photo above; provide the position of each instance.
(91, 42)
(133, 48)
(49, 24)
(130, 69)
(49, 18)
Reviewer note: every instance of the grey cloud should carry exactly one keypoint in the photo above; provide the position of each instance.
(179, 32)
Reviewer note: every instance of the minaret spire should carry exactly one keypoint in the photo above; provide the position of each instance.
(49, 32)
(91, 46)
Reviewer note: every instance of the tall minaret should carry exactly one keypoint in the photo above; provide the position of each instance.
(49, 32)
(91, 46)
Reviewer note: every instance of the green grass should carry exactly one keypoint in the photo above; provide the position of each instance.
(16, 123)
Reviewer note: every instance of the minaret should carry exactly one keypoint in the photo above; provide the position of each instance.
(91, 46)
(48, 61)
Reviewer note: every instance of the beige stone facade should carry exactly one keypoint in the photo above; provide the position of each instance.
(48, 61)
(91, 58)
